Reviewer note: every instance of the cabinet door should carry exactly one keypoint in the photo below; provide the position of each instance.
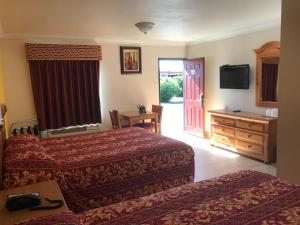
(223, 130)
(259, 127)
(229, 141)
(250, 147)
(250, 136)
(223, 121)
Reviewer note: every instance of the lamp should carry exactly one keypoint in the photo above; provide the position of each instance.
(144, 26)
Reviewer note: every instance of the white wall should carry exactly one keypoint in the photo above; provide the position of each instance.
(18, 95)
(235, 50)
(122, 92)
(288, 153)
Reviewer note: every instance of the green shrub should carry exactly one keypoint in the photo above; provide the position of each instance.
(179, 80)
(170, 87)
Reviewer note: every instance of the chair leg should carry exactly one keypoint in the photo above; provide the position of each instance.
(158, 130)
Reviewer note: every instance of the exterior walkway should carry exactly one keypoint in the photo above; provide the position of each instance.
(172, 119)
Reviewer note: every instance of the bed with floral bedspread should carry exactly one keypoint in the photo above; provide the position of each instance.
(241, 198)
(102, 168)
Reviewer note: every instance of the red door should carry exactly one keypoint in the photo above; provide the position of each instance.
(194, 96)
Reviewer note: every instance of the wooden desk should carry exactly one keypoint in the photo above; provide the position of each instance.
(47, 189)
(133, 116)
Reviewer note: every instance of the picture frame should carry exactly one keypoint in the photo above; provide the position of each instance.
(130, 60)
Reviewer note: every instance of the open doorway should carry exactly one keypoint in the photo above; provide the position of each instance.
(171, 95)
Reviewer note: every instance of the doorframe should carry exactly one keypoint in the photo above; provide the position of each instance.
(182, 59)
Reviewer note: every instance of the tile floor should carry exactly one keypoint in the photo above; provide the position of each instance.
(212, 162)
(209, 161)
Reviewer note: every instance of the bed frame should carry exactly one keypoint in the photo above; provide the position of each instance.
(2, 139)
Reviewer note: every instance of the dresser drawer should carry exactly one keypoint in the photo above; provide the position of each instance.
(250, 136)
(250, 125)
(223, 130)
(223, 121)
(230, 141)
(250, 147)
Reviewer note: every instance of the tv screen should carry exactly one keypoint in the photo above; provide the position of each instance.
(234, 77)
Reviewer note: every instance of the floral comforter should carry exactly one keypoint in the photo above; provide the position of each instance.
(99, 169)
(241, 198)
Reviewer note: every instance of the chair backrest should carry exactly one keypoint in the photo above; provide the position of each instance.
(159, 110)
(115, 119)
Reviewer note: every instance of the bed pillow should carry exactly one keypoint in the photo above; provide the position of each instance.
(22, 139)
(26, 162)
(24, 143)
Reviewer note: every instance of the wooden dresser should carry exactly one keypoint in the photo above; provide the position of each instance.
(246, 133)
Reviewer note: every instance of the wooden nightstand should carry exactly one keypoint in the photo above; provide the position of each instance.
(48, 189)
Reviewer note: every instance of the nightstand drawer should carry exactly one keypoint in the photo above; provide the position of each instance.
(250, 125)
(230, 141)
(259, 138)
(250, 147)
(223, 130)
(223, 121)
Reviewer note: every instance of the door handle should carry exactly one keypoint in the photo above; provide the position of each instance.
(201, 99)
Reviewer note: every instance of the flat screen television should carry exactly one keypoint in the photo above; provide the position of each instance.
(234, 76)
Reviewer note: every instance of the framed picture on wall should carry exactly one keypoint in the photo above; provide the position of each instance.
(130, 60)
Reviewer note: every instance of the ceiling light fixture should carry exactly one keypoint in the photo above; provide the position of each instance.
(144, 26)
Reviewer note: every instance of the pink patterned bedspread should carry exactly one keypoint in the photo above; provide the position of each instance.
(102, 168)
(242, 198)
(246, 197)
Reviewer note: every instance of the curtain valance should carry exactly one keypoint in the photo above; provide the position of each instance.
(62, 52)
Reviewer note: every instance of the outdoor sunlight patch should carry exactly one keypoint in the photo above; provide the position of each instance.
(221, 152)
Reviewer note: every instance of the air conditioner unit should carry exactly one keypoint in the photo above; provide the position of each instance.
(71, 131)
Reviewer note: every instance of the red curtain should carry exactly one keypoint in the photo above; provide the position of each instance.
(66, 93)
(269, 81)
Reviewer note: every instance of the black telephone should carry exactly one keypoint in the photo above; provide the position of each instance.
(22, 201)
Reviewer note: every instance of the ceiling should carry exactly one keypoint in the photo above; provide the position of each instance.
(176, 21)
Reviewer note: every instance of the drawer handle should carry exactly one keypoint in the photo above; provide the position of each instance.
(249, 135)
(249, 146)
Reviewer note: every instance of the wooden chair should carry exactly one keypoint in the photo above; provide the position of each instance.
(115, 120)
(151, 125)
